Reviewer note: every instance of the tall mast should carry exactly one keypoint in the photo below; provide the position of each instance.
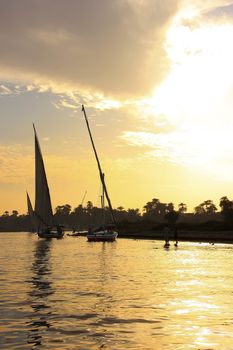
(103, 205)
(84, 197)
(99, 166)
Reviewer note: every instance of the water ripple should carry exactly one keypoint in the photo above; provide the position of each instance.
(70, 294)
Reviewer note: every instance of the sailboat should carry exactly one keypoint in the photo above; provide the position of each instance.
(106, 232)
(43, 213)
(31, 214)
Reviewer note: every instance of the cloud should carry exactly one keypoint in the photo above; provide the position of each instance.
(192, 148)
(4, 90)
(209, 6)
(115, 47)
(188, 118)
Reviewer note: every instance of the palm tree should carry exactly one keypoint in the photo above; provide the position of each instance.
(226, 206)
(198, 210)
(210, 207)
(182, 208)
(120, 208)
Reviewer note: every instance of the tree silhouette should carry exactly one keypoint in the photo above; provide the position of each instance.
(155, 209)
(226, 206)
(207, 207)
(133, 215)
(172, 216)
(198, 210)
(182, 208)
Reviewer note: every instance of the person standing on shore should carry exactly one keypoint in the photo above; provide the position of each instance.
(166, 234)
(176, 236)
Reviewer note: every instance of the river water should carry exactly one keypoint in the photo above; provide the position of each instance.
(130, 294)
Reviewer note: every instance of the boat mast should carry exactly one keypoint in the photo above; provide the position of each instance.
(99, 167)
(83, 197)
(103, 205)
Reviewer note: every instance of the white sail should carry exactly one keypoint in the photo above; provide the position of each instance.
(43, 207)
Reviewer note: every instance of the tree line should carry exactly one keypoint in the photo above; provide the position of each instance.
(153, 211)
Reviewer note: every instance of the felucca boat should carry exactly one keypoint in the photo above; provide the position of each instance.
(43, 214)
(31, 214)
(105, 232)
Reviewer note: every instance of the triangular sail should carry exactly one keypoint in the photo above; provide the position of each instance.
(99, 167)
(34, 221)
(43, 207)
(29, 205)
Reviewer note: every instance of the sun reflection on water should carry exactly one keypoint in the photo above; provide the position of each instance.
(127, 295)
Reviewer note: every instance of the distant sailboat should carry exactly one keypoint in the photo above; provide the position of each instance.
(43, 209)
(31, 214)
(106, 232)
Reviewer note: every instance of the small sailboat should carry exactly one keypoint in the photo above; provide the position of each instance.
(31, 214)
(106, 232)
(43, 214)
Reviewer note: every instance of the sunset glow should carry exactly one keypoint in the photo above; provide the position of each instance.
(158, 91)
(194, 101)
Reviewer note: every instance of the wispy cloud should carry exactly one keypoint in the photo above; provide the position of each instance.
(189, 148)
(4, 90)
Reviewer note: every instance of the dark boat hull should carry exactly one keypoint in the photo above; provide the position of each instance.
(51, 234)
(102, 236)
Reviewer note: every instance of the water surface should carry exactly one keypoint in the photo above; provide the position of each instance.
(130, 294)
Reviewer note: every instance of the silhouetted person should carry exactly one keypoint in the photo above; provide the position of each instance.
(59, 229)
(166, 234)
(176, 236)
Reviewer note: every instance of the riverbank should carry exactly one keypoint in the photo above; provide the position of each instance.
(183, 235)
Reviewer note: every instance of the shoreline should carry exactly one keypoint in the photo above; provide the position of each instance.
(183, 235)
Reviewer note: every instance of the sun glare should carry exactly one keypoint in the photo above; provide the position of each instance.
(196, 97)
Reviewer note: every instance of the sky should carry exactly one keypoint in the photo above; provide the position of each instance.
(156, 80)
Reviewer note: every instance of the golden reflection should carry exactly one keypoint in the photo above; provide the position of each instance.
(131, 294)
(41, 290)
(188, 283)
(199, 305)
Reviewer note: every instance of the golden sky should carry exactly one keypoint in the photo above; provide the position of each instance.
(156, 79)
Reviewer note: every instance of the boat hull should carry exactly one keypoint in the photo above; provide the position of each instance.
(102, 236)
(51, 234)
